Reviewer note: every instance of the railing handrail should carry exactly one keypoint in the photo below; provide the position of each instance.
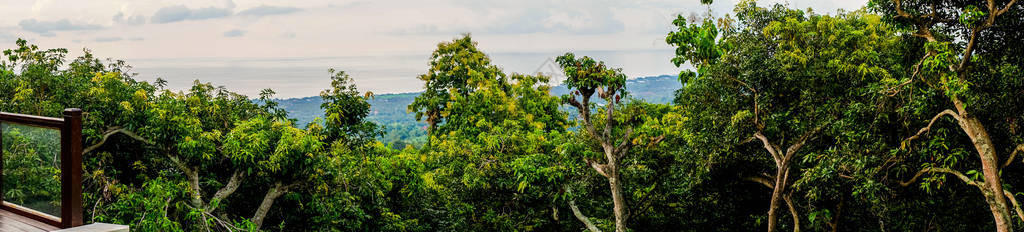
(32, 120)
(70, 127)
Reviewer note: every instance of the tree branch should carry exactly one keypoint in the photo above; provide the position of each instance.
(584, 109)
(917, 69)
(962, 177)
(622, 148)
(579, 215)
(791, 151)
(1006, 8)
(766, 181)
(268, 200)
(956, 116)
(772, 149)
(597, 167)
(609, 121)
(793, 212)
(228, 189)
(111, 132)
(1016, 206)
(1013, 155)
(193, 178)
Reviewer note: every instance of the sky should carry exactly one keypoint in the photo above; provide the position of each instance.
(249, 45)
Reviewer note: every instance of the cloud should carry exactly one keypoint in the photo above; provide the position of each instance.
(7, 37)
(120, 18)
(209, 13)
(234, 33)
(265, 10)
(177, 13)
(46, 28)
(586, 21)
(108, 39)
(171, 14)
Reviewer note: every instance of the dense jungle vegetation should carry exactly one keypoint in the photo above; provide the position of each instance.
(903, 116)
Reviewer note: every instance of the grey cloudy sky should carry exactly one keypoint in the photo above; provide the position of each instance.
(280, 28)
(273, 29)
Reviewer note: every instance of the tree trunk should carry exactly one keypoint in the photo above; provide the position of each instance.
(268, 201)
(618, 200)
(196, 194)
(227, 190)
(993, 185)
(777, 196)
(580, 216)
(792, 211)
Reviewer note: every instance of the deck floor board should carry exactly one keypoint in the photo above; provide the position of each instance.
(17, 223)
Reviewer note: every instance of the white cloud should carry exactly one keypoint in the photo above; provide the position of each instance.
(265, 10)
(6, 37)
(108, 39)
(120, 18)
(234, 33)
(46, 28)
(177, 13)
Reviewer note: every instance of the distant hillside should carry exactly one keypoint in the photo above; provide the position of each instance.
(401, 127)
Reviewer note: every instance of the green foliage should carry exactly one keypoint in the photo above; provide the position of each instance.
(586, 75)
(345, 110)
(456, 68)
(31, 169)
(504, 155)
(697, 44)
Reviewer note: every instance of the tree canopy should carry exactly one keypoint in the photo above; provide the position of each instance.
(902, 116)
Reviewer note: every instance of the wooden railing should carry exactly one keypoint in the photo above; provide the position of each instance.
(70, 167)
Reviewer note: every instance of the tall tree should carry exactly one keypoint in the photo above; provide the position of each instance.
(968, 71)
(783, 78)
(613, 132)
(456, 68)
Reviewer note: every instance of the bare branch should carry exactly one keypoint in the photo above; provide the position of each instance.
(193, 179)
(793, 212)
(772, 149)
(1013, 155)
(623, 147)
(584, 109)
(579, 215)
(936, 118)
(600, 168)
(764, 180)
(1016, 206)
(228, 189)
(791, 151)
(268, 200)
(609, 122)
(111, 132)
(917, 69)
(1006, 8)
(962, 177)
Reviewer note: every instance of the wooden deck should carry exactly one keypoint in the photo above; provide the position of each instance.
(16, 223)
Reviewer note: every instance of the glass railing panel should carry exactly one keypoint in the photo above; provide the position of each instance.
(31, 167)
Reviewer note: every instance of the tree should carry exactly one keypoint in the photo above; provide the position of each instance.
(783, 78)
(585, 78)
(966, 71)
(456, 68)
(491, 162)
(345, 110)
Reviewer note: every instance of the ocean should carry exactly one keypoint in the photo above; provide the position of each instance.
(303, 77)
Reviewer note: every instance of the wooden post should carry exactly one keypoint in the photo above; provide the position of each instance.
(71, 169)
(2, 193)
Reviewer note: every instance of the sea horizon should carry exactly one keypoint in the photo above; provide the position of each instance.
(298, 77)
